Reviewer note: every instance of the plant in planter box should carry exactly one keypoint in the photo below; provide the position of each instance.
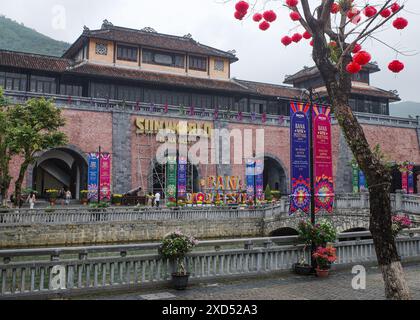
(175, 247)
(324, 257)
(116, 199)
(400, 223)
(52, 195)
(84, 197)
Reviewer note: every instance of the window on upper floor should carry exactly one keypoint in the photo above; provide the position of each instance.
(198, 63)
(101, 49)
(13, 81)
(43, 85)
(73, 90)
(163, 58)
(127, 53)
(219, 65)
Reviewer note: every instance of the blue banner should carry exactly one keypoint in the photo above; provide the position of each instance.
(300, 158)
(259, 179)
(250, 180)
(93, 177)
(182, 177)
(362, 182)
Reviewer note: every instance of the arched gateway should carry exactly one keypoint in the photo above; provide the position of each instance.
(60, 168)
(275, 175)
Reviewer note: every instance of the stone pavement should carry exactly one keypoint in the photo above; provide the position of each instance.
(283, 287)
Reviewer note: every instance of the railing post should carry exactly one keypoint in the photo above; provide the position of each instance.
(399, 200)
(249, 245)
(364, 199)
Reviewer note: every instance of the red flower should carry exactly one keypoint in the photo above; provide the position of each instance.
(395, 7)
(307, 35)
(385, 13)
(292, 3)
(357, 48)
(242, 6)
(335, 8)
(264, 25)
(362, 58)
(296, 37)
(353, 68)
(286, 40)
(257, 17)
(270, 16)
(370, 11)
(400, 23)
(295, 16)
(396, 66)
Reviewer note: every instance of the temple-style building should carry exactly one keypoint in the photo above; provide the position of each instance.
(113, 78)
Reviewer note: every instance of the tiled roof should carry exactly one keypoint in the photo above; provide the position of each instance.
(149, 39)
(33, 61)
(268, 89)
(156, 77)
(367, 90)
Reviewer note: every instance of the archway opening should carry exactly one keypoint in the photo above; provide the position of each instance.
(284, 232)
(60, 169)
(274, 176)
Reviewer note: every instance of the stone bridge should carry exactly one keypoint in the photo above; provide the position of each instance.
(125, 225)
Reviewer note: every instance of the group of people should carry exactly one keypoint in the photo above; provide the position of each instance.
(153, 200)
(64, 195)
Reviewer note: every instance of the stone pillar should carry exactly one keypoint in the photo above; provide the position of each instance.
(399, 200)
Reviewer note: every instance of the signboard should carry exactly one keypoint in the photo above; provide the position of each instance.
(250, 180)
(171, 177)
(323, 167)
(93, 170)
(410, 178)
(105, 178)
(300, 158)
(259, 179)
(182, 177)
(355, 175)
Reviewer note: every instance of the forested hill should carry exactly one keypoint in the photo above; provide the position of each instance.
(17, 37)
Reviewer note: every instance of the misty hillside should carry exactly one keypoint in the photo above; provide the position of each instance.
(17, 37)
(405, 109)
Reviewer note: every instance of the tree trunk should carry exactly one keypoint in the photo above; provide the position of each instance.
(19, 182)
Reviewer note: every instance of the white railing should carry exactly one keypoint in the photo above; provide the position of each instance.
(57, 271)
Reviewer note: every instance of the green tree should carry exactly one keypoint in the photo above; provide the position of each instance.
(34, 127)
(268, 194)
(5, 151)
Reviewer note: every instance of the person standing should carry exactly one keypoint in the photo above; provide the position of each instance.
(157, 200)
(68, 197)
(150, 200)
(31, 199)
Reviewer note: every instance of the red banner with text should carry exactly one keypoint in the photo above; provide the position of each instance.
(105, 177)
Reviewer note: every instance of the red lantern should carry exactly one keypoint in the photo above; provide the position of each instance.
(292, 3)
(400, 23)
(335, 8)
(257, 17)
(396, 66)
(286, 40)
(385, 13)
(264, 25)
(239, 15)
(242, 6)
(370, 11)
(296, 37)
(295, 16)
(352, 13)
(395, 7)
(353, 67)
(333, 44)
(362, 58)
(357, 48)
(311, 43)
(270, 16)
(307, 35)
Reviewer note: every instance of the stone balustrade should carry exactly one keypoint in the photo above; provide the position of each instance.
(54, 272)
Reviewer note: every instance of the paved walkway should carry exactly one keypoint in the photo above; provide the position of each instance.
(286, 287)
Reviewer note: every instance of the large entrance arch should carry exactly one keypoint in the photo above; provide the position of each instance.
(60, 168)
(275, 175)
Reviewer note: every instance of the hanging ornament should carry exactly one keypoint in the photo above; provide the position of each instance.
(400, 23)
(292, 3)
(395, 7)
(270, 16)
(362, 58)
(242, 6)
(295, 16)
(357, 48)
(307, 35)
(396, 66)
(335, 8)
(296, 37)
(286, 40)
(353, 68)
(257, 17)
(385, 13)
(370, 11)
(264, 25)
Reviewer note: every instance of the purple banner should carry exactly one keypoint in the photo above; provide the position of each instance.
(410, 168)
(300, 158)
(182, 177)
(250, 180)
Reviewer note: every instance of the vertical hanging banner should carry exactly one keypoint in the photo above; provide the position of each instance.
(410, 168)
(300, 158)
(93, 179)
(105, 178)
(182, 177)
(323, 167)
(250, 179)
(171, 177)
(259, 179)
(404, 177)
(362, 182)
(355, 175)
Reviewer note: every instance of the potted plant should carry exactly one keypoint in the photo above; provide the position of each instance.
(324, 257)
(84, 197)
(52, 196)
(400, 223)
(175, 246)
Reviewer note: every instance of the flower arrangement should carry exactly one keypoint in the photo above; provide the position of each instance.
(84, 194)
(399, 223)
(52, 194)
(320, 234)
(325, 257)
(175, 246)
(116, 199)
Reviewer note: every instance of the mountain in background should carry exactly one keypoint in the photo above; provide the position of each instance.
(405, 109)
(17, 37)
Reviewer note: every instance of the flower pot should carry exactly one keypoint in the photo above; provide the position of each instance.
(302, 269)
(322, 273)
(180, 282)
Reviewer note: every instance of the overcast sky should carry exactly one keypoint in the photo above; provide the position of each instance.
(261, 55)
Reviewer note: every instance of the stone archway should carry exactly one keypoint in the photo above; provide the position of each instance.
(60, 168)
(275, 174)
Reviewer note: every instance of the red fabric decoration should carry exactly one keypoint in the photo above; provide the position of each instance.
(270, 16)
(242, 6)
(239, 15)
(357, 48)
(396, 66)
(292, 3)
(400, 23)
(307, 35)
(353, 67)
(257, 17)
(362, 58)
(264, 25)
(286, 40)
(395, 7)
(370, 11)
(385, 13)
(335, 8)
(295, 16)
(296, 37)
